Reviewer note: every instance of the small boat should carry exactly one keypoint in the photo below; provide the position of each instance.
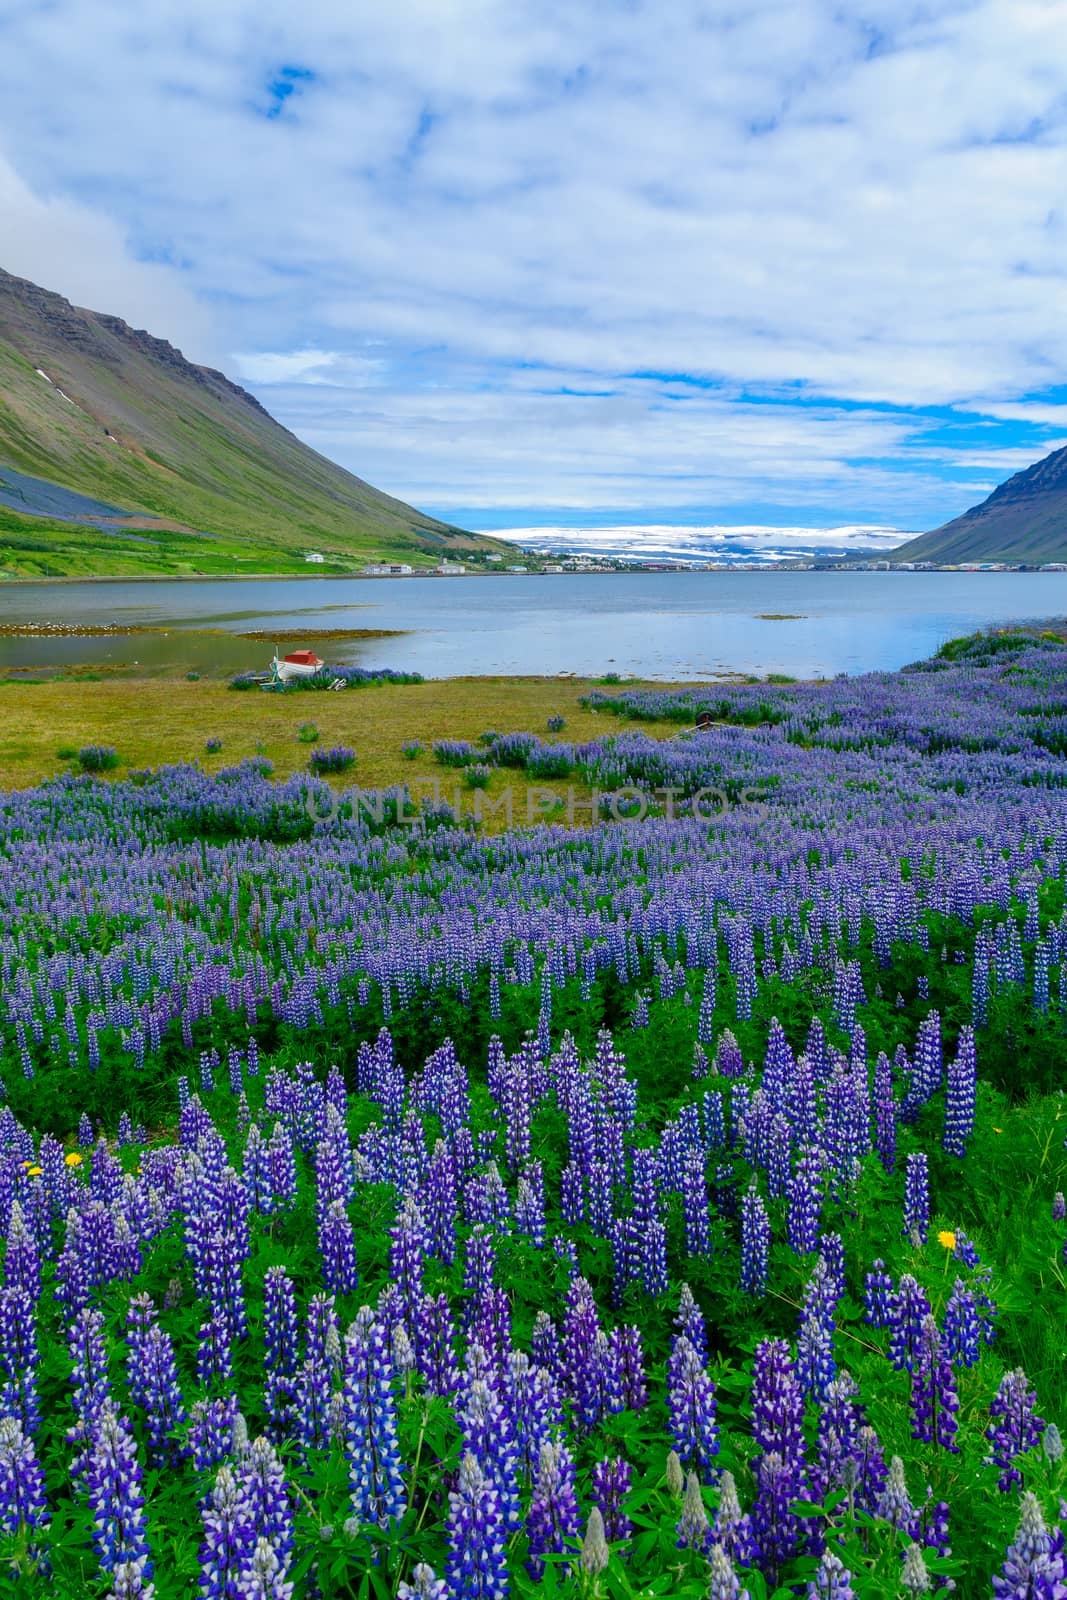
(297, 664)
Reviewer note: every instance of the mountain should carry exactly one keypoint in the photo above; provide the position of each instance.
(1024, 519)
(118, 456)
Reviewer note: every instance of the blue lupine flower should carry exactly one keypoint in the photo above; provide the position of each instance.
(477, 1552)
(375, 1470)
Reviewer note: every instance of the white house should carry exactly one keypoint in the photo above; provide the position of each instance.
(450, 569)
(388, 569)
(314, 556)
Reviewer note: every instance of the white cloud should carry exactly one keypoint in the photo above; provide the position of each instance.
(467, 198)
(85, 256)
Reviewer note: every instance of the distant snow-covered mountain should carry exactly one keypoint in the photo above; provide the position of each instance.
(756, 544)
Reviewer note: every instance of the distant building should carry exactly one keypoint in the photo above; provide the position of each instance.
(450, 569)
(555, 567)
(388, 569)
(314, 556)
(1053, 566)
(516, 569)
(494, 558)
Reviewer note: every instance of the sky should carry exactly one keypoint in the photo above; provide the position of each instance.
(577, 263)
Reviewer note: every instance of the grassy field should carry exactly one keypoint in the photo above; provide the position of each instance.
(155, 721)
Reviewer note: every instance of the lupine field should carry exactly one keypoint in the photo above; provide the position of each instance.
(666, 1205)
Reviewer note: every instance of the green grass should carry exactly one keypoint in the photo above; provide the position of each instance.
(159, 721)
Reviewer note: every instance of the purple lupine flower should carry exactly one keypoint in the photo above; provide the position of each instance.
(530, 1206)
(210, 1436)
(376, 1473)
(441, 1202)
(554, 1521)
(691, 1409)
(19, 1357)
(229, 1537)
(628, 1363)
(490, 1325)
(840, 1419)
(916, 1198)
(480, 1263)
(690, 1322)
(435, 1346)
(280, 1345)
(878, 1297)
(960, 1089)
(262, 1477)
(963, 1333)
(477, 1551)
(338, 1248)
(934, 1400)
(909, 1307)
(965, 1250)
(313, 1396)
(152, 1377)
(282, 1160)
(894, 1504)
(214, 1352)
(22, 1491)
(489, 1436)
(815, 1340)
(1034, 1566)
(424, 1585)
(732, 1528)
(934, 1530)
(1014, 1426)
(776, 1530)
(223, 1284)
(545, 1345)
(22, 1267)
(1059, 1206)
(695, 1206)
(779, 1470)
(409, 1242)
(871, 1470)
(755, 1243)
(885, 1113)
(611, 1483)
(723, 1584)
(832, 1580)
(581, 1327)
(805, 1203)
(92, 1386)
(927, 1070)
(264, 1578)
(534, 1410)
(116, 1498)
(130, 1581)
(777, 1401)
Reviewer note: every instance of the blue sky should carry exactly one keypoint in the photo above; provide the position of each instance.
(588, 264)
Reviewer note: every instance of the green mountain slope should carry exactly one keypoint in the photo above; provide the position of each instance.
(1024, 519)
(210, 481)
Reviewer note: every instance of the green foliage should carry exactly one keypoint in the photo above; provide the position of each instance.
(98, 758)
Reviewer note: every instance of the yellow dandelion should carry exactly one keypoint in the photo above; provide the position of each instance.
(36, 1172)
(947, 1239)
(73, 1159)
(998, 1130)
(26, 1165)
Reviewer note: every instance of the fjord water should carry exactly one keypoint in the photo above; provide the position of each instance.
(652, 625)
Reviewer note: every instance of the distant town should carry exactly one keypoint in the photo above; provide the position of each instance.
(540, 562)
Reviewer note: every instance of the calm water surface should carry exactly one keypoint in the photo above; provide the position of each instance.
(654, 625)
